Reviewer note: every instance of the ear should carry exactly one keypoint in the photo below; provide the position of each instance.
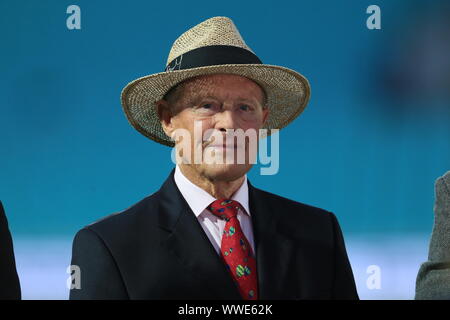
(165, 116)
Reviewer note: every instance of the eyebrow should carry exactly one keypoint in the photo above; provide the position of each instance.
(197, 97)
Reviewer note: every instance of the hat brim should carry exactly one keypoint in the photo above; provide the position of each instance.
(288, 93)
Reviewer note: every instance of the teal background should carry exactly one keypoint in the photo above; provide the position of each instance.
(368, 147)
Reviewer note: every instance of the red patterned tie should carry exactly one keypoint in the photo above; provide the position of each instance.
(235, 249)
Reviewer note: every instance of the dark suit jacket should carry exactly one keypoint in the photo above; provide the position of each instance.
(433, 279)
(157, 249)
(9, 281)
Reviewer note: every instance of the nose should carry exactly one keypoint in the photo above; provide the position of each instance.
(224, 120)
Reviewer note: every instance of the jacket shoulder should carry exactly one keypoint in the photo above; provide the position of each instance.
(127, 220)
(291, 207)
(299, 220)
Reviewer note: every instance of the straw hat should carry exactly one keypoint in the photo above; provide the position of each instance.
(213, 46)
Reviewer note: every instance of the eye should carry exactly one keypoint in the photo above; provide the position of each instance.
(245, 107)
(207, 107)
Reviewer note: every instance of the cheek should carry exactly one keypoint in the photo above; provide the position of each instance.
(262, 118)
(207, 129)
(256, 123)
(184, 121)
(183, 126)
(188, 123)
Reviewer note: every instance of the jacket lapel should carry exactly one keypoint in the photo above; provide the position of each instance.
(275, 251)
(191, 246)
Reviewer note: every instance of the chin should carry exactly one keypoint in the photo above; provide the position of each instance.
(225, 172)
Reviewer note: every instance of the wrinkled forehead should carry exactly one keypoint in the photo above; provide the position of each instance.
(222, 86)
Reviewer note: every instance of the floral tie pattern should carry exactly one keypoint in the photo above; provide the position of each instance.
(235, 249)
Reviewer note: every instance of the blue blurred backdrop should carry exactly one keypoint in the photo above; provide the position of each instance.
(369, 146)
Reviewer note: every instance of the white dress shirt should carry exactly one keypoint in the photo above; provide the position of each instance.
(198, 200)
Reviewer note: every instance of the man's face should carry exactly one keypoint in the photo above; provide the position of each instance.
(218, 102)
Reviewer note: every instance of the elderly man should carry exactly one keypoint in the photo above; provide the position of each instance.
(208, 233)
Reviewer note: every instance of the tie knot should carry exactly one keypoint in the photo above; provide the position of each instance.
(224, 208)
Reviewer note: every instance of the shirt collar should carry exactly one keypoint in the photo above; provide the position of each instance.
(198, 199)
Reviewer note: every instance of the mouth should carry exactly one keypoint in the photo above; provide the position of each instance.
(221, 146)
(225, 146)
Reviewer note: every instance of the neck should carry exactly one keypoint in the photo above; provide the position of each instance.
(219, 189)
